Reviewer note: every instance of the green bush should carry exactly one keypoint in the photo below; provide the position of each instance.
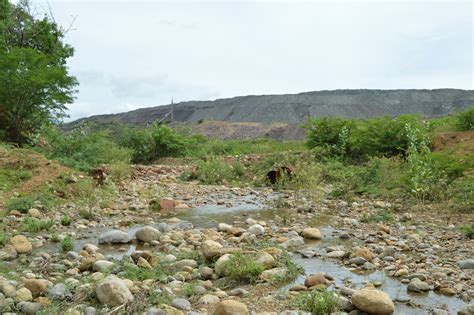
(218, 171)
(242, 268)
(22, 204)
(334, 135)
(84, 150)
(317, 303)
(134, 272)
(465, 120)
(468, 230)
(3, 238)
(65, 220)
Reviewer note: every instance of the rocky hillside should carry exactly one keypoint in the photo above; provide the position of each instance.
(295, 108)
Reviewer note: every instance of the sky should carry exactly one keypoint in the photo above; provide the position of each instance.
(132, 54)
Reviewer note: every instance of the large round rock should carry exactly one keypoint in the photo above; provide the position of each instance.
(230, 307)
(114, 237)
(113, 291)
(147, 234)
(373, 301)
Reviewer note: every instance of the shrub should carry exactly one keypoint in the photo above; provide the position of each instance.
(217, 171)
(318, 303)
(385, 216)
(84, 150)
(242, 268)
(35, 225)
(167, 142)
(67, 244)
(332, 134)
(465, 120)
(22, 204)
(119, 171)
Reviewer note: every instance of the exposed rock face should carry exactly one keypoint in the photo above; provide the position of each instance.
(296, 108)
(373, 301)
(113, 291)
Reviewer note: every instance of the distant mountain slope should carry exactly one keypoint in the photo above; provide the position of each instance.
(296, 108)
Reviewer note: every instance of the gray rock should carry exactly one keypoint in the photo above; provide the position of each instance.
(8, 253)
(257, 229)
(29, 307)
(466, 264)
(58, 291)
(416, 285)
(155, 311)
(238, 292)
(467, 310)
(90, 311)
(114, 237)
(181, 304)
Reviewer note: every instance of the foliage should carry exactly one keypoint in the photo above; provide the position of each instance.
(218, 171)
(84, 150)
(465, 120)
(67, 244)
(242, 268)
(385, 216)
(317, 303)
(333, 135)
(134, 272)
(30, 224)
(154, 205)
(22, 204)
(34, 80)
(65, 220)
(3, 238)
(468, 230)
(119, 171)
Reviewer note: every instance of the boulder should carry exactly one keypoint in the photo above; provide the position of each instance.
(208, 299)
(316, 279)
(230, 307)
(363, 252)
(256, 229)
(274, 274)
(373, 301)
(181, 304)
(219, 265)
(22, 294)
(113, 291)
(466, 264)
(312, 233)
(266, 260)
(114, 237)
(211, 249)
(416, 285)
(103, 266)
(21, 244)
(35, 213)
(147, 234)
(8, 253)
(37, 286)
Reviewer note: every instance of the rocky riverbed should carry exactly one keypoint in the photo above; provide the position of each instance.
(129, 259)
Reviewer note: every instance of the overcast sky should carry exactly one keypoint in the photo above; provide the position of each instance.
(132, 54)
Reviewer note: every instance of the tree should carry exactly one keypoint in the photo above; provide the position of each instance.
(35, 85)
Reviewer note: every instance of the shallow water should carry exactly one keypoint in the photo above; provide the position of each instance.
(209, 216)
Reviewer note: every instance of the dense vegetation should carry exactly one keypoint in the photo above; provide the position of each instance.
(34, 80)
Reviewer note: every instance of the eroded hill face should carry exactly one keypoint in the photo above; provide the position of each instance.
(296, 108)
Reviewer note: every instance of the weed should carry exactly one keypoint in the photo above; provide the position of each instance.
(3, 238)
(154, 205)
(86, 213)
(119, 171)
(242, 268)
(66, 220)
(134, 272)
(35, 225)
(67, 244)
(385, 216)
(318, 303)
(468, 230)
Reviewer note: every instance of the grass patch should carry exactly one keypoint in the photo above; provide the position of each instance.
(4, 238)
(242, 268)
(35, 225)
(67, 244)
(22, 204)
(468, 231)
(317, 303)
(385, 216)
(134, 272)
(65, 220)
